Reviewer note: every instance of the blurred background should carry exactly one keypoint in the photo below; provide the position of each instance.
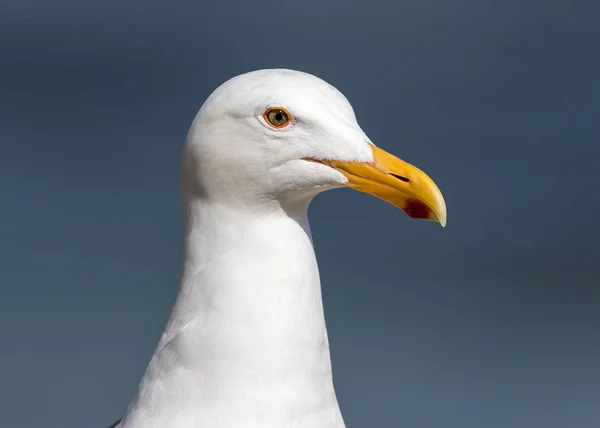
(491, 322)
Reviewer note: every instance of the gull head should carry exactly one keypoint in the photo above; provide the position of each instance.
(275, 136)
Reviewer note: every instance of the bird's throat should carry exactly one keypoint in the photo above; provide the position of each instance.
(246, 339)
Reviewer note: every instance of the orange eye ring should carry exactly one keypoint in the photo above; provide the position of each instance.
(277, 117)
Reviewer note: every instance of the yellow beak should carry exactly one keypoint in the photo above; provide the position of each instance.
(397, 182)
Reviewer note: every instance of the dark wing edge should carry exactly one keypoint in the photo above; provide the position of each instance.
(115, 424)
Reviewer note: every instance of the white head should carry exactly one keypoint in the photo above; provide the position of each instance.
(268, 136)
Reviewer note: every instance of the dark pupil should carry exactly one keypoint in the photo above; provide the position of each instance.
(278, 116)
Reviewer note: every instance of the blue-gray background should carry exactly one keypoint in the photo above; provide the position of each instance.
(492, 322)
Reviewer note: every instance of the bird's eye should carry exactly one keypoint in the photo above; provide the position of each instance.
(277, 117)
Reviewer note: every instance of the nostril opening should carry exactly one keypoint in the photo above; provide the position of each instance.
(399, 177)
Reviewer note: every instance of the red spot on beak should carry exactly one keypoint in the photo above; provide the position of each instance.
(417, 209)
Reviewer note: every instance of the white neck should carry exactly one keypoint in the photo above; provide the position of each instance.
(246, 344)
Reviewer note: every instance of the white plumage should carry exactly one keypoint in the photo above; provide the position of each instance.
(246, 344)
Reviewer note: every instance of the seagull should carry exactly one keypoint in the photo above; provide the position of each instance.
(246, 344)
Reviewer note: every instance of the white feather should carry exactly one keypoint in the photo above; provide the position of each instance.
(246, 343)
